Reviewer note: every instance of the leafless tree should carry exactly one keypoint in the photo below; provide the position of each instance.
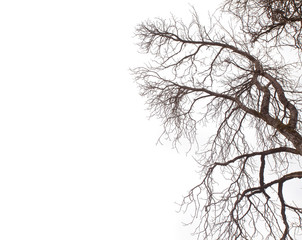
(242, 78)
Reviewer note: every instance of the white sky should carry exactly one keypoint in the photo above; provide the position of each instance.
(78, 158)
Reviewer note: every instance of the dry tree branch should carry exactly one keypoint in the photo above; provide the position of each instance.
(199, 75)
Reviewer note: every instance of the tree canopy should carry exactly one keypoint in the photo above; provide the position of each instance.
(241, 72)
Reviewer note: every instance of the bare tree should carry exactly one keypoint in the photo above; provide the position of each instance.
(242, 78)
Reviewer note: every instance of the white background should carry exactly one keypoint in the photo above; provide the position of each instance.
(78, 156)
